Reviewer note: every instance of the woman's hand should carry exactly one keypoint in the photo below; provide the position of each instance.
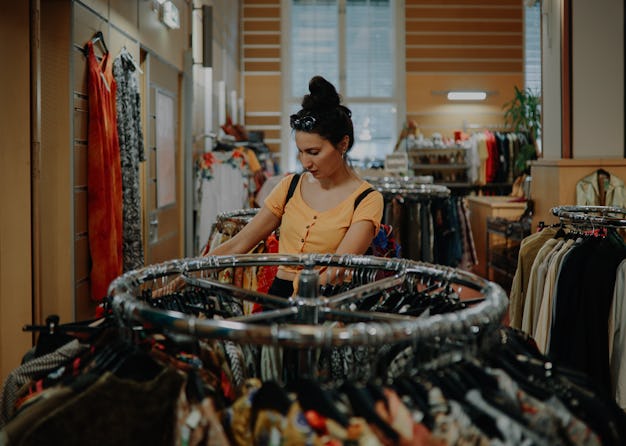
(335, 275)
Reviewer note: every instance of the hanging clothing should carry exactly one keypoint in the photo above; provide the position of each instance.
(588, 191)
(579, 335)
(570, 301)
(617, 337)
(104, 177)
(543, 320)
(222, 185)
(128, 103)
(529, 248)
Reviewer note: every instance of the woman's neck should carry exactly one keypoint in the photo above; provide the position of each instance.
(341, 177)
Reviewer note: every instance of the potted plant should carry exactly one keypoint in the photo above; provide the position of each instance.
(523, 114)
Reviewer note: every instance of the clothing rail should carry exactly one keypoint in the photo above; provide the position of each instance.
(408, 190)
(418, 179)
(592, 215)
(238, 214)
(382, 328)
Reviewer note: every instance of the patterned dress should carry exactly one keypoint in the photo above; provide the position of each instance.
(128, 104)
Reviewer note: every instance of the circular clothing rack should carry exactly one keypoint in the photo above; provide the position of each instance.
(299, 320)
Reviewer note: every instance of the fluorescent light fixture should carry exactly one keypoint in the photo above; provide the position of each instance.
(467, 95)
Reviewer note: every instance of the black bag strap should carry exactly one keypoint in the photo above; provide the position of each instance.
(292, 187)
(361, 196)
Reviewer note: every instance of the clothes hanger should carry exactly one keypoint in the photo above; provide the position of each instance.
(128, 56)
(98, 37)
(312, 396)
(362, 405)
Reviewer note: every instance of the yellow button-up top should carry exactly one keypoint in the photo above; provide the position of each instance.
(306, 230)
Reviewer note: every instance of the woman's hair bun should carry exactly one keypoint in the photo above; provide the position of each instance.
(323, 95)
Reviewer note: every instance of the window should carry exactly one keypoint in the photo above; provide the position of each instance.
(532, 47)
(352, 43)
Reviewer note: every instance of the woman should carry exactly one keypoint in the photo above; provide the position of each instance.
(320, 216)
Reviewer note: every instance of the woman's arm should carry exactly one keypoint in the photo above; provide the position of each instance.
(259, 228)
(356, 241)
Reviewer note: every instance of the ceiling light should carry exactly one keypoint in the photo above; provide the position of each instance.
(467, 95)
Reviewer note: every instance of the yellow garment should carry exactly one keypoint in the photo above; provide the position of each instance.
(519, 289)
(542, 324)
(532, 299)
(253, 162)
(305, 230)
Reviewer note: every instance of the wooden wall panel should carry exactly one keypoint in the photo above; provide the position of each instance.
(261, 39)
(262, 52)
(464, 2)
(462, 45)
(256, 120)
(428, 106)
(56, 207)
(462, 40)
(262, 2)
(486, 54)
(124, 14)
(261, 69)
(464, 13)
(80, 214)
(464, 36)
(80, 165)
(463, 66)
(261, 25)
(16, 305)
(262, 12)
(264, 66)
(460, 26)
(81, 120)
(79, 71)
(86, 23)
(81, 254)
(265, 93)
(84, 304)
(163, 251)
(168, 222)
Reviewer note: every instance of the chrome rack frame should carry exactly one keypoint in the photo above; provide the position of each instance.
(306, 308)
(592, 216)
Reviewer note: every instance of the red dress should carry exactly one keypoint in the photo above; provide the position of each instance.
(104, 177)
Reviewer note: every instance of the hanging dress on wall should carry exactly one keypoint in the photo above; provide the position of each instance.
(104, 183)
(128, 104)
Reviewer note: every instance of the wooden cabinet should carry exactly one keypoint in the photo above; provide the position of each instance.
(482, 207)
(503, 240)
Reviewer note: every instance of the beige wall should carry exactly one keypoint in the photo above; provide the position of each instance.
(551, 78)
(15, 168)
(598, 79)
